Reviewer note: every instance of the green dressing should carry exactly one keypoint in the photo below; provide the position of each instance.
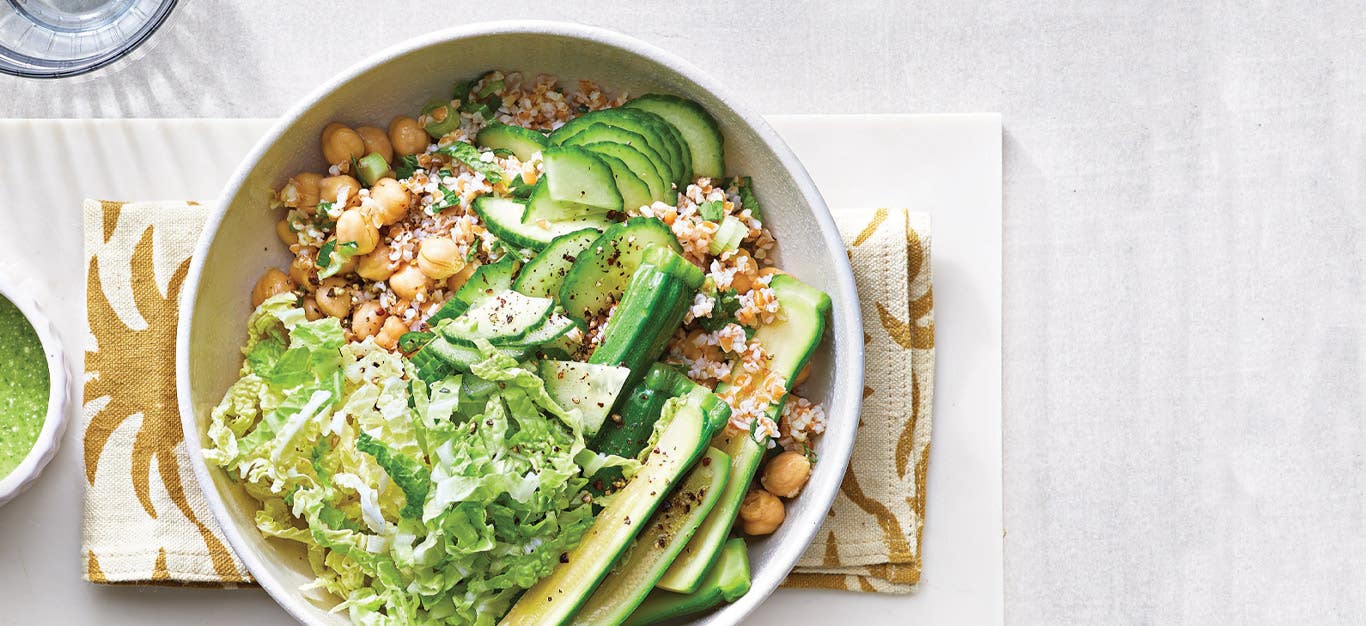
(23, 387)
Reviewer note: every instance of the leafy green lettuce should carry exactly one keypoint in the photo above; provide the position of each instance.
(417, 504)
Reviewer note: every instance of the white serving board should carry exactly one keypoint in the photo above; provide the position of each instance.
(948, 165)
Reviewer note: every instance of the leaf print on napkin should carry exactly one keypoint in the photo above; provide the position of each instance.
(125, 371)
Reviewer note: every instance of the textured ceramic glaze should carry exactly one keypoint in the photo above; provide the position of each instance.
(239, 243)
(54, 424)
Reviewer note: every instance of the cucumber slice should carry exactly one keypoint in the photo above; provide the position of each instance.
(503, 218)
(638, 162)
(672, 140)
(555, 598)
(588, 387)
(790, 341)
(665, 535)
(661, 183)
(501, 319)
(698, 127)
(651, 131)
(724, 583)
(544, 273)
(634, 192)
(578, 176)
(454, 357)
(553, 328)
(523, 142)
(486, 280)
(540, 207)
(601, 273)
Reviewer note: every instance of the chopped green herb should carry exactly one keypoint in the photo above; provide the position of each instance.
(810, 453)
(747, 198)
(448, 199)
(723, 312)
(406, 166)
(519, 188)
(462, 89)
(471, 157)
(332, 256)
(712, 211)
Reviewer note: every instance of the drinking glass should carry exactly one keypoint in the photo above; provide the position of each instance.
(55, 38)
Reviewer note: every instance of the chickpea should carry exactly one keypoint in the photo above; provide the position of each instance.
(287, 234)
(367, 319)
(349, 265)
(377, 265)
(354, 227)
(761, 513)
(376, 140)
(301, 191)
(389, 334)
(802, 376)
(332, 127)
(408, 281)
(311, 310)
(391, 201)
(334, 187)
(439, 258)
(272, 283)
(786, 474)
(341, 144)
(334, 297)
(770, 271)
(457, 280)
(407, 136)
(304, 269)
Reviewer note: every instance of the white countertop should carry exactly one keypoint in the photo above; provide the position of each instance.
(1185, 246)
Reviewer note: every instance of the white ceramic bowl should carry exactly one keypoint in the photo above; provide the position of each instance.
(45, 446)
(239, 243)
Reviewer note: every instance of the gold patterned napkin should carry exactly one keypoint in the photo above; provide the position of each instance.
(146, 521)
(871, 539)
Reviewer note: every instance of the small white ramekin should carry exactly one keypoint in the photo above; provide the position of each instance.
(54, 424)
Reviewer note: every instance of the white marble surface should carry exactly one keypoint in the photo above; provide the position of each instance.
(1184, 249)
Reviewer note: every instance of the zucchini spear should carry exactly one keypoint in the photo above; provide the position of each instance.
(650, 310)
(789, 341)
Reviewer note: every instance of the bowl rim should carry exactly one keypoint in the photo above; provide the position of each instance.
(845, 304)
(54, 422)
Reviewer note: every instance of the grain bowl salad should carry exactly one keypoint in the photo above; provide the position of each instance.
(532, 363)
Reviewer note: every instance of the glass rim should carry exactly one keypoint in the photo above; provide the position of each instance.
(47, 69)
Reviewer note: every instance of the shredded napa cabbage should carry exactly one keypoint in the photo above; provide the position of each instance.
(418, 504)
